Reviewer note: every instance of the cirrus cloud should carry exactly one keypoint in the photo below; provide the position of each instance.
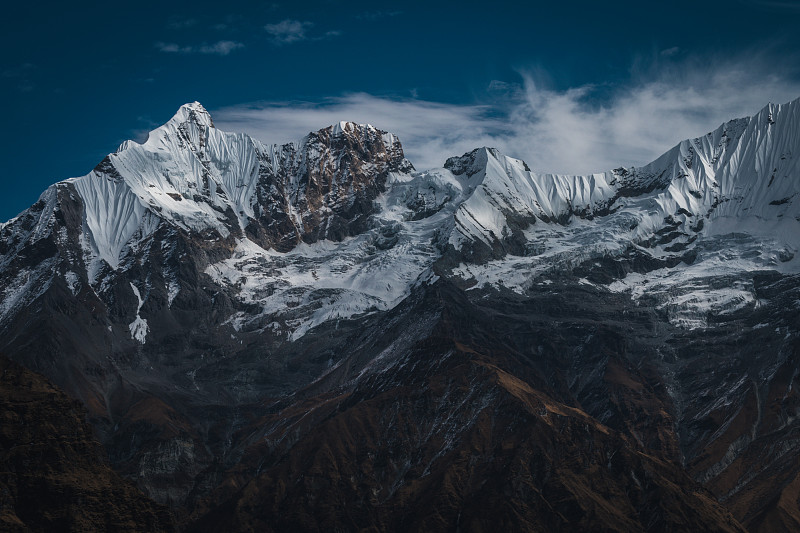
(288, 31)
(292, 31)
(219, 48)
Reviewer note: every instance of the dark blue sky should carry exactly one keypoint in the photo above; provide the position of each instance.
(79, 78)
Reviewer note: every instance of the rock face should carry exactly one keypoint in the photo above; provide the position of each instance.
(55, 476)
(324, 188)
(317, 336)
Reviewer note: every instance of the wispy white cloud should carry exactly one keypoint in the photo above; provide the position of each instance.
(173, 48)
(328, 35)
(292, 31)
(429, 130)
(288, 31)
(220, 48)
(583, 129)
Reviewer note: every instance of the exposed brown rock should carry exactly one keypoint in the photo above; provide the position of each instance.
(325, 187)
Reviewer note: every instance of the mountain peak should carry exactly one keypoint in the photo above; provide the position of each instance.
(473, 162)
(193, 112)
(346, 126)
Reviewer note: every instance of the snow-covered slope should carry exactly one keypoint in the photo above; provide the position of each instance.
(726, 203)
(221, 190)
(372, 271)
(200, 179)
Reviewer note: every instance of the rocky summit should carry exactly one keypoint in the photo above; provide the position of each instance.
(317, 336)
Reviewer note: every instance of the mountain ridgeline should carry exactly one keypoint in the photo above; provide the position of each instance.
(317, 335)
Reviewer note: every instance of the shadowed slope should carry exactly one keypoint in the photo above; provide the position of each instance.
(53, 473)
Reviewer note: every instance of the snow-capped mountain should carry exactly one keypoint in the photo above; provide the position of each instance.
(192, 283)
(722, 204)
(350, 185)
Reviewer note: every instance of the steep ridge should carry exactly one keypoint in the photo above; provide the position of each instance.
(202, 279)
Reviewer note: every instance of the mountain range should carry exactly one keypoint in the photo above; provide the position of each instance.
(318, 336)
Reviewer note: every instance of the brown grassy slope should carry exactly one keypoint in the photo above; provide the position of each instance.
(53, 473)
(453, 442)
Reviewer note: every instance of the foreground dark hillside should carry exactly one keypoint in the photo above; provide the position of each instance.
(563, 409)
(54, 475)
(482, 423)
